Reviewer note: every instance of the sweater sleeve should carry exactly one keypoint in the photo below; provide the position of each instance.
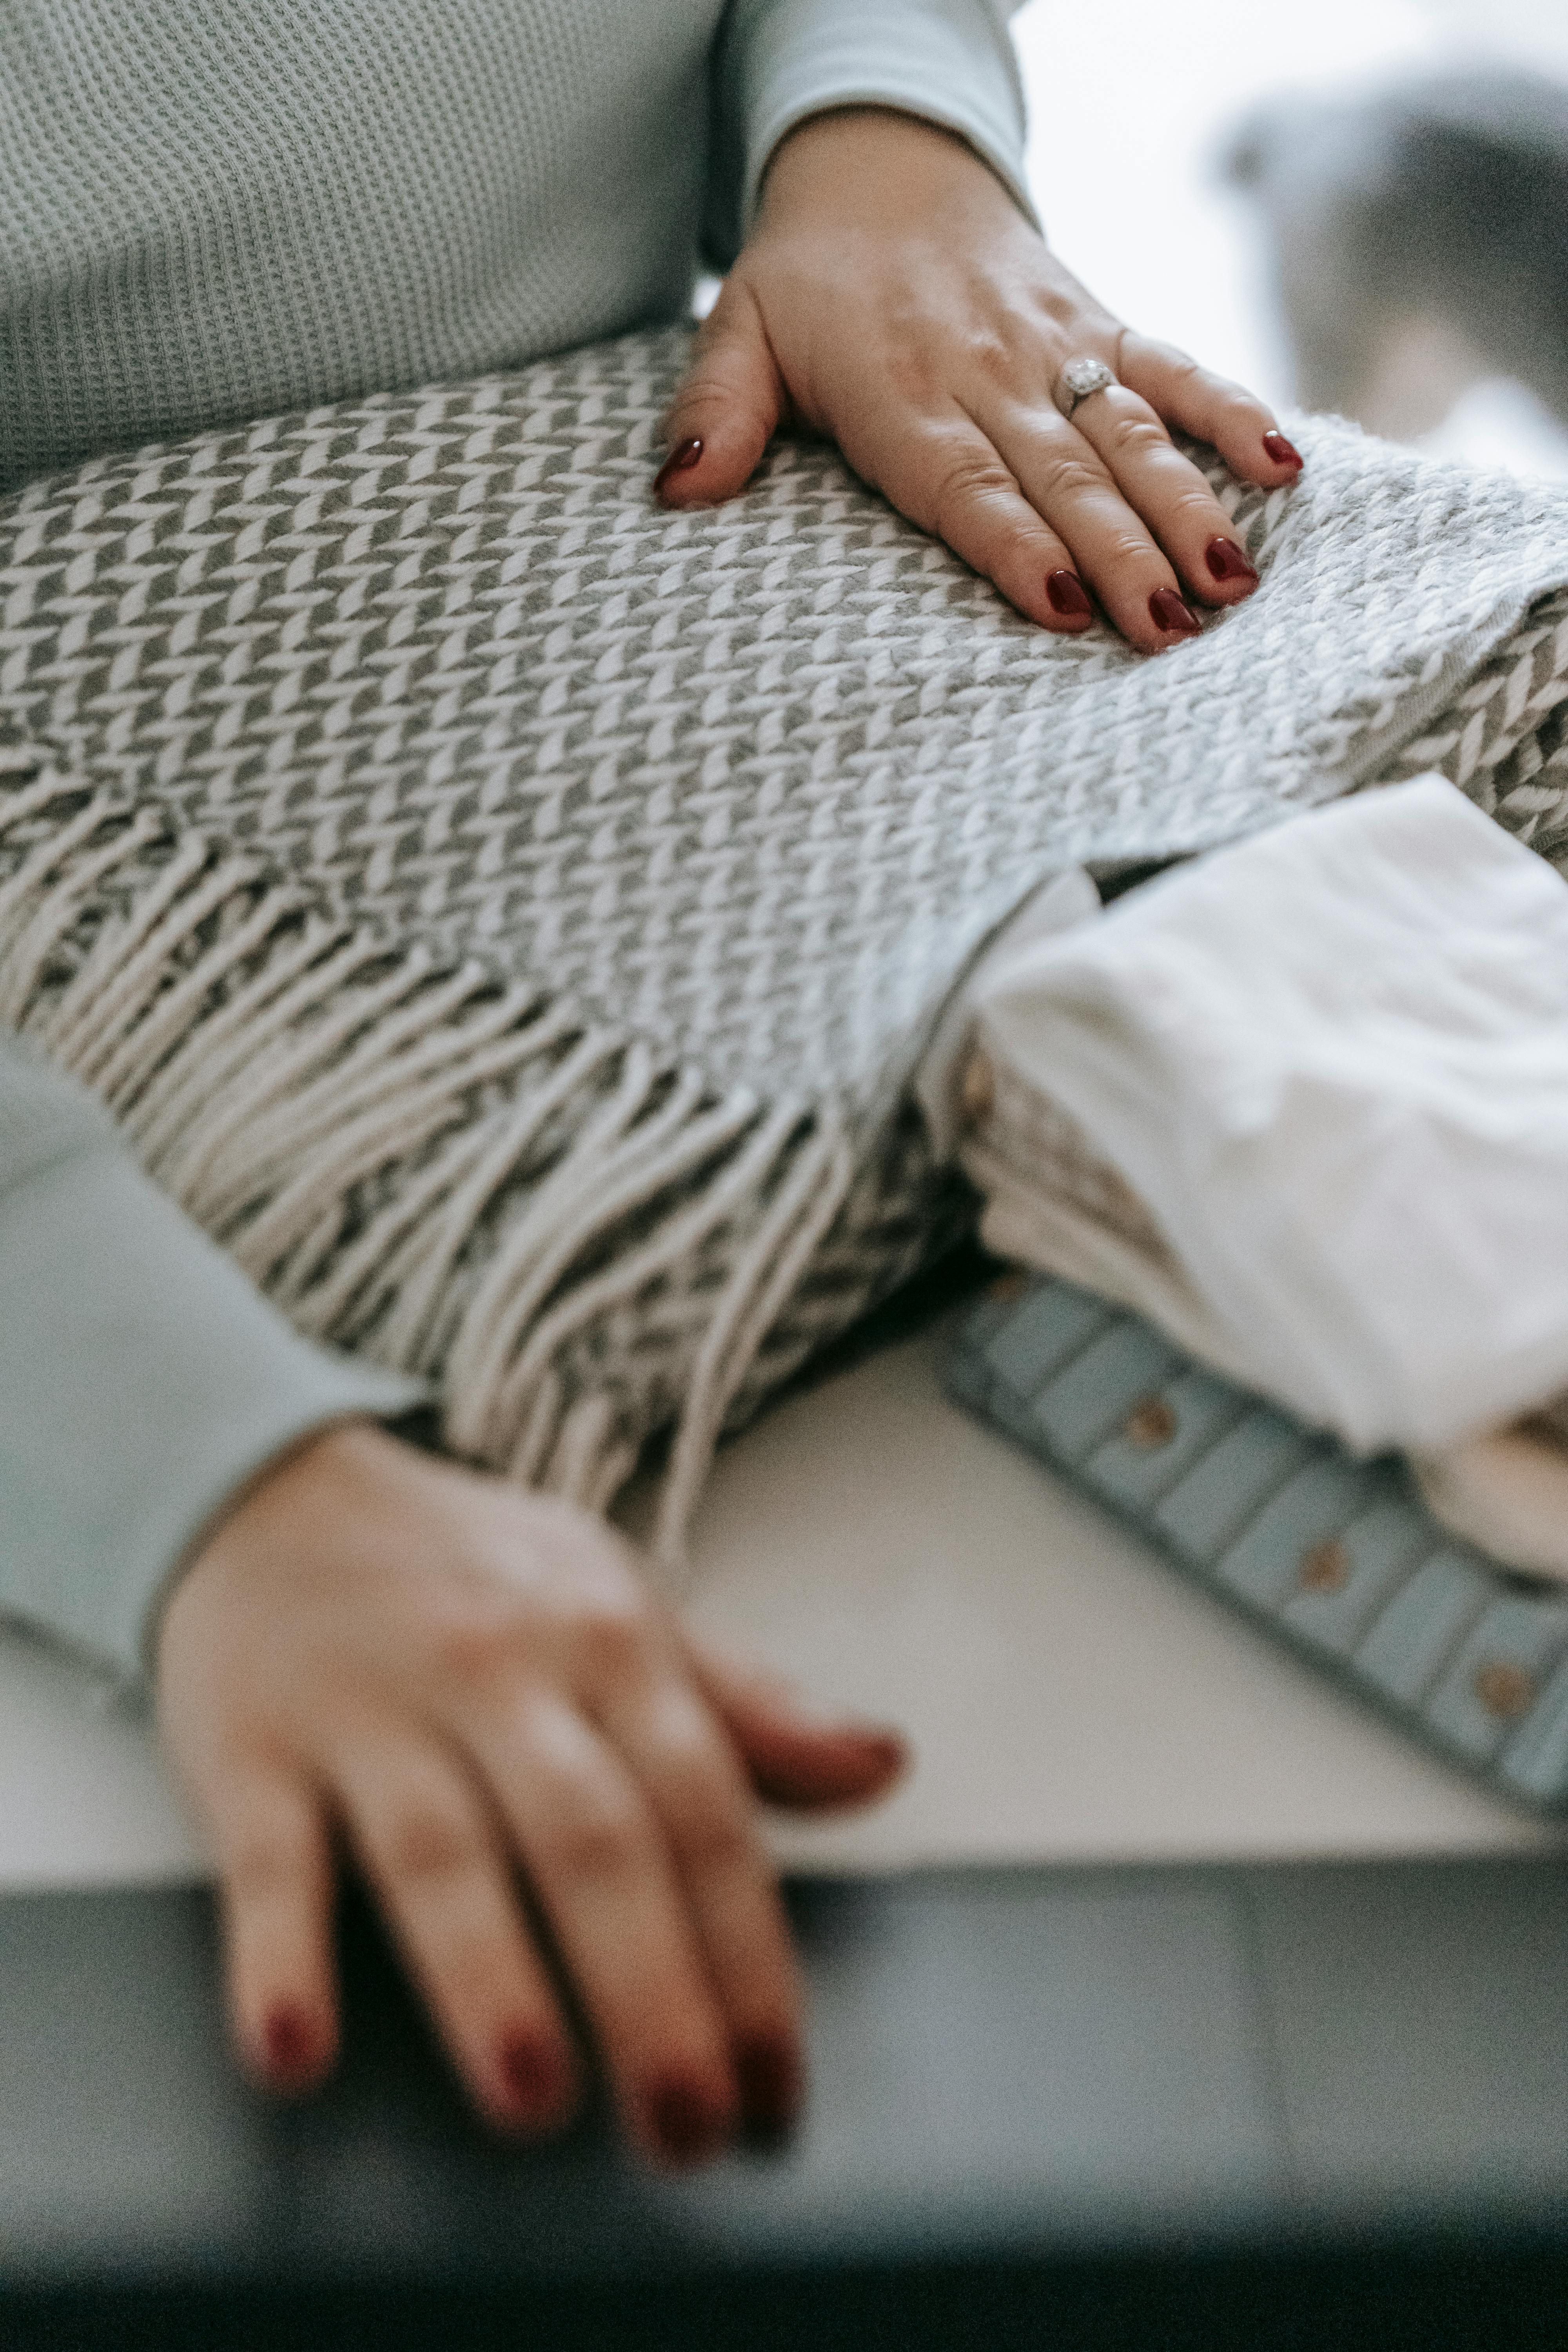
(142, 1378)
(777, 61)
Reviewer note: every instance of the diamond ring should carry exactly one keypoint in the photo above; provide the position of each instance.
(1077, 379)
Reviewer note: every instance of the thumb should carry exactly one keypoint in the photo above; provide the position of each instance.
(795, 1756)
(727, 409)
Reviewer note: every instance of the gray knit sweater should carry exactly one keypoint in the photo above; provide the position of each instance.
(213, 213)
(217, 212)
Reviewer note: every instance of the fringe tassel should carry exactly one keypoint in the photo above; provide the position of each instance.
(462, 1179)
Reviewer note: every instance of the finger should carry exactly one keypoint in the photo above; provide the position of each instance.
(692, 1777)
(1211, 409)
(795, 1756)
(1167, 493)
(276, 1890)
(1060, 485)
(946, 476)
(727, 409)
(443, 1885)
(603, 1875)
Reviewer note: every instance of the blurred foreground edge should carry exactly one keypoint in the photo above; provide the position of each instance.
(1295, 2105)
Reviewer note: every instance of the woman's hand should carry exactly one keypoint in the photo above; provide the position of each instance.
(894, 296)
(463, 1681)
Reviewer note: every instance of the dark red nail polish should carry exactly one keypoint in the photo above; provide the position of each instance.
(534, 2076)
(679, 461)
(686, 2124)
(1283, 452)
(291, 2044)
(1167, 611)
(1067, 594)
(769, 2072)
(888, 1748)
(1226, 562)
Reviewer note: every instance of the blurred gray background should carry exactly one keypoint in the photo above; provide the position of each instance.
(1332, 274)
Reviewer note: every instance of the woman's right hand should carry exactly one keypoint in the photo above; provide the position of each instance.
(463, 1680)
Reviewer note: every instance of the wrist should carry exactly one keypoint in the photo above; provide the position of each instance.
(272, 1508)
(874, 161)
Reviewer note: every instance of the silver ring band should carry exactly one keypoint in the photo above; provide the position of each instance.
(1078, 380)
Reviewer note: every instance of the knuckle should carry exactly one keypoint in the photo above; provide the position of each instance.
(470, 1647)
(426, 1842)
(1066, 479)
(715, 1840)
(906, 368)
(1226, 394)
(1140, 437)
(614, 1628)
(976, 478)
(483, 1628)
(597, 1841)
(263, 1860)
(698, 1797)
(991, 354)
(692, 406)
(1195, 505)
(1180, 366)
(480, 1641)
(731, 314)
(1134, 561)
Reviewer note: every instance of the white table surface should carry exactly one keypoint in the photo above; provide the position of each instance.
(1070, 1697)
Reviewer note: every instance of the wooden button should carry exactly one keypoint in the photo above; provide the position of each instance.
(979, 1088)
(1504, 1689)
(1150, 1425)
(1326, 1567)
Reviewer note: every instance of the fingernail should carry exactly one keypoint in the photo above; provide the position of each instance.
(886, 1745)
(534, 2075)
(1167, 611)
(679, 461)
(889, 1748)
(769, 2072)
(1226, 562)
(1067, 594)
(1283, 452)
(292, 2049)
(686, 2124)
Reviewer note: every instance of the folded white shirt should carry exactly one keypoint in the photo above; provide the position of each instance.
(1304, 1103)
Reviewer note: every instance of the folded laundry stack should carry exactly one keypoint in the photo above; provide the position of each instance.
(1303, 1104)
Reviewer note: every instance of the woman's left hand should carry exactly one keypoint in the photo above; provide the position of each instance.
(893, 298)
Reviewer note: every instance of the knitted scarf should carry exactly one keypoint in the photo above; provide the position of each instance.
(506, 914)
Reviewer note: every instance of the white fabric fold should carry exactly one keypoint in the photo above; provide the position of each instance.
(1304, 1103)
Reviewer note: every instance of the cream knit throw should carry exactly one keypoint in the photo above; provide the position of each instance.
(505, 915)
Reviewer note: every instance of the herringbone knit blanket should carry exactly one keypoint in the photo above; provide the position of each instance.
(506, 914)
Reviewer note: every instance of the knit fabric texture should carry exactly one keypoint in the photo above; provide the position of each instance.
(211, 214)
(507, 914)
